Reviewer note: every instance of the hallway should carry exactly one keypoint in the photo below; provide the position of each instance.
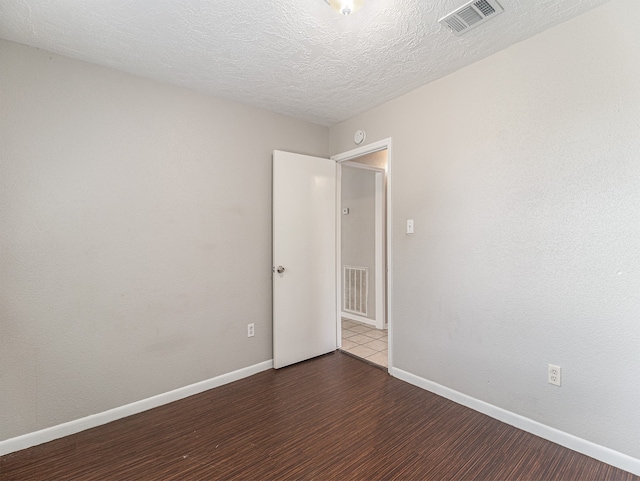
(365, 341)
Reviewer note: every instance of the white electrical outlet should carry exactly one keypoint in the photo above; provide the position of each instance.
(555, 375)
(251, 330)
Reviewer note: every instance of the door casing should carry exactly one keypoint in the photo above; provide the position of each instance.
(344, 157)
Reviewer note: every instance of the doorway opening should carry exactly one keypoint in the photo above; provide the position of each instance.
(363, 281)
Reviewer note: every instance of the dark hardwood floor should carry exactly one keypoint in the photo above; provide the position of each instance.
(329, 418)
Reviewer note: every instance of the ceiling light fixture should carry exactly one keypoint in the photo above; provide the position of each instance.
(345, 7)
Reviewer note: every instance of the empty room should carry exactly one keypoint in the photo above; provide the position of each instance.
(178, 297)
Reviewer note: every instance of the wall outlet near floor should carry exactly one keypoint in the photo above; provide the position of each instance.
(251, 330)
(555, 375)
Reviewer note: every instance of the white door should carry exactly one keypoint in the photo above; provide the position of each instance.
(304, 257)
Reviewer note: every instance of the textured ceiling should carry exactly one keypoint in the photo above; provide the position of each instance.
(298, 58)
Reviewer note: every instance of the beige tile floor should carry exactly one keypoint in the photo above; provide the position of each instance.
(365, 341)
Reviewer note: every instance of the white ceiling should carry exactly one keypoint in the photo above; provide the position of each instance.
(298, 58)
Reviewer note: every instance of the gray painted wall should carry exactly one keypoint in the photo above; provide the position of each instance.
(135, 239)
(522, 173)
(359, 226)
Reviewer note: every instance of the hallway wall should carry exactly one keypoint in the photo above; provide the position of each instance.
(359, 227)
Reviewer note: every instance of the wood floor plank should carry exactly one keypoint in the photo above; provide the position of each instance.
(332, 417)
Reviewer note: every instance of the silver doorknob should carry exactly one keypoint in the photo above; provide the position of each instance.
(280, 269)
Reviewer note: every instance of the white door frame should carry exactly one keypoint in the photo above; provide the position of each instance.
(344, 157)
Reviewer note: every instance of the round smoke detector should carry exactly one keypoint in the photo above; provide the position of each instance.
(359, 137)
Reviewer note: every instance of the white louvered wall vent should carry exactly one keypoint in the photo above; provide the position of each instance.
(356, 289)
(471, 15)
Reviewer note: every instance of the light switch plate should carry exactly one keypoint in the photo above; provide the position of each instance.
(409, 226)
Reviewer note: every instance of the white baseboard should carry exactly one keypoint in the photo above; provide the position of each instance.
(357, 318)
(72, 427)
(588, 448)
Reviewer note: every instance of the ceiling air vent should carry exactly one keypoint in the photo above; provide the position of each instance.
(471, 15)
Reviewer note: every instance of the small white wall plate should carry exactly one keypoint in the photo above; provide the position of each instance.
(359, 137)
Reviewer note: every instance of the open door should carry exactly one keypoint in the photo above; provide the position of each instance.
(304, 257)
